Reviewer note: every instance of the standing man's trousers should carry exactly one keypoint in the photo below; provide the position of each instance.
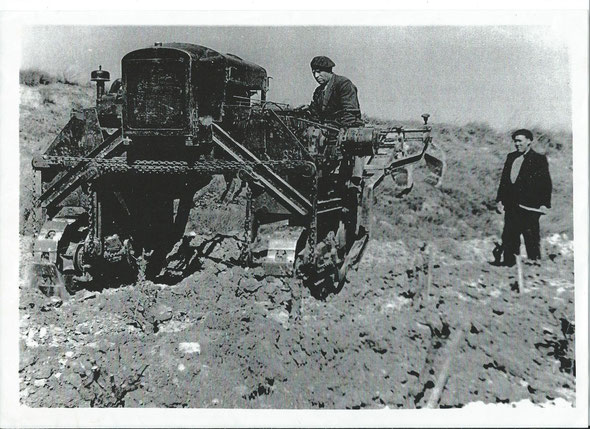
(519, 221)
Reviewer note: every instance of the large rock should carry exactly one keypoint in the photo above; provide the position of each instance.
(189, 347)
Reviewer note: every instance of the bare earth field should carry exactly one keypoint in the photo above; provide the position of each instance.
(406, 321)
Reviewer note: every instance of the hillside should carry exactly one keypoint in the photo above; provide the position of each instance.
(228, 337)
(44, 111)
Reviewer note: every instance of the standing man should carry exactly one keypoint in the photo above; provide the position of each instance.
(523, 196)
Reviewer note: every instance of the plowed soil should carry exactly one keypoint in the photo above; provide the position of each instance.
(229, 337)
(423, 309)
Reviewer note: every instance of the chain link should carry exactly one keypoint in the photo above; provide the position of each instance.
(120, 165)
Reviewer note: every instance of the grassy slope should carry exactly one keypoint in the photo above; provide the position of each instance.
(461, 208)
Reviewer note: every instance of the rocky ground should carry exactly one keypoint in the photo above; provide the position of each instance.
(405, 322)
(228, 337)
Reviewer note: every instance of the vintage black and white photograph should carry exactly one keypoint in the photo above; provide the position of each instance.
(306, 216)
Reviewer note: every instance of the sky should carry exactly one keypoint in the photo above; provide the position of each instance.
(507, 76)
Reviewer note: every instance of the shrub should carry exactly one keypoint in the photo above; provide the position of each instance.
(34, 77)
(46, 96)
(68, 77)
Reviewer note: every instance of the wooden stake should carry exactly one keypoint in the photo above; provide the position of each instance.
(422, 374)
(443, 374)
(419, 276)
(430, 267)
(520, 275)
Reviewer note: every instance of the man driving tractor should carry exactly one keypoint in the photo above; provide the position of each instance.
(335, 102)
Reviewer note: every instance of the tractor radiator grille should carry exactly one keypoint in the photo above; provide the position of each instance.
(157, 94)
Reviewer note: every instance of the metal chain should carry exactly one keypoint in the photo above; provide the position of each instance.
(120, 165)
(246, 251)
(313, 226)
(90, 244)
(73, 161)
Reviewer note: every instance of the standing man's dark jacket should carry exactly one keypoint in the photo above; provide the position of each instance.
(532, 187)
(337, 101)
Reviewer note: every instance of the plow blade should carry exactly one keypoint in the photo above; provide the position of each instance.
(437, 166)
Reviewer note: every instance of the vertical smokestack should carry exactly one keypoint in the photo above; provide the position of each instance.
(100, 76)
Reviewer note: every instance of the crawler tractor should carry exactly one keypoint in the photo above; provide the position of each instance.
(118, 182)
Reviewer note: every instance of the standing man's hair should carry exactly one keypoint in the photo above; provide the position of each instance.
(523, 132)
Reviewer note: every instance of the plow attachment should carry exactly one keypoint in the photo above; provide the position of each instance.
(385, 163)
(437, 165)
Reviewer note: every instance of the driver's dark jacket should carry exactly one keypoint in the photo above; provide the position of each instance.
(337, 101)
